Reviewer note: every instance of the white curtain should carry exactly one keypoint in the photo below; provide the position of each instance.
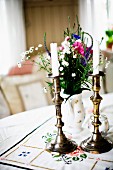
(12, 33)
(93, 17)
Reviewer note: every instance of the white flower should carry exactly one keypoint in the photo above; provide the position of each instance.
(65, 63)
(31, 49)
(66, 46)
(61, 68)
(67, 50)
(62, 56)
(26, 52)
(67, 38)
(79, 40)
(75, 56)
(22, 59)
(73, 74)
(36, 48)
(28, 57)
(19, 65)
(40, 45)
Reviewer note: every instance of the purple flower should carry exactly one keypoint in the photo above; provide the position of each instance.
(88, 50)
(83, 62)
(86, 55)
(76, 36)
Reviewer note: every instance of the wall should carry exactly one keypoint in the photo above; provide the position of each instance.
(50, 17)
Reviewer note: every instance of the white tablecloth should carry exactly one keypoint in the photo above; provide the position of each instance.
(26, 130)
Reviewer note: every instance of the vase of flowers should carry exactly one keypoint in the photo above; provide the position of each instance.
(73, 114)
(75, 65)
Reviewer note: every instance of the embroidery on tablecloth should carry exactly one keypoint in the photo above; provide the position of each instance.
(49, 137)
(24, 154)
(77, 155)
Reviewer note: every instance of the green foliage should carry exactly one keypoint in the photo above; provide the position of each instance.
(109, 34)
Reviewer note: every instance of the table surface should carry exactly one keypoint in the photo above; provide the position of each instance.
(23, 138)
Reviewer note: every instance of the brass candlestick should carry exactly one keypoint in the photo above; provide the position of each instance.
(96, 143)
(61, 143)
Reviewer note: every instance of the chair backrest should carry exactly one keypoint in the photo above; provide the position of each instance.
(24, 92)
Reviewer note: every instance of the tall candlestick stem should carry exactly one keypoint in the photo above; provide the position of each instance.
(61, 144)
(96, 143)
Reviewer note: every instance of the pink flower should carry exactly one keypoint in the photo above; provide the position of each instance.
(78, 47)
(67, 38)
(61, 48)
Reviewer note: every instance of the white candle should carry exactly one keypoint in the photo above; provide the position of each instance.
(54, 59)
(96, 50)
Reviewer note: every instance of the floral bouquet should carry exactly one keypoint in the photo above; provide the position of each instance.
(75, 60)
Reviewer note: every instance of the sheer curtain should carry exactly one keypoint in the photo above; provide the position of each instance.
(93, 17)
(96, 16)
(12, 33)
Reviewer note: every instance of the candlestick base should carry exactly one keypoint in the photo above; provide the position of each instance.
(96, 146)
(62, 145)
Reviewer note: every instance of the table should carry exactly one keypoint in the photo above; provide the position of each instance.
(23, 138)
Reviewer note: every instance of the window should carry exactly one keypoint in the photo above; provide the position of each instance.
(96, 17)
(12, 33)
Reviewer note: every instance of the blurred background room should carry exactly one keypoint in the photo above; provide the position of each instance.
(23, 24)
